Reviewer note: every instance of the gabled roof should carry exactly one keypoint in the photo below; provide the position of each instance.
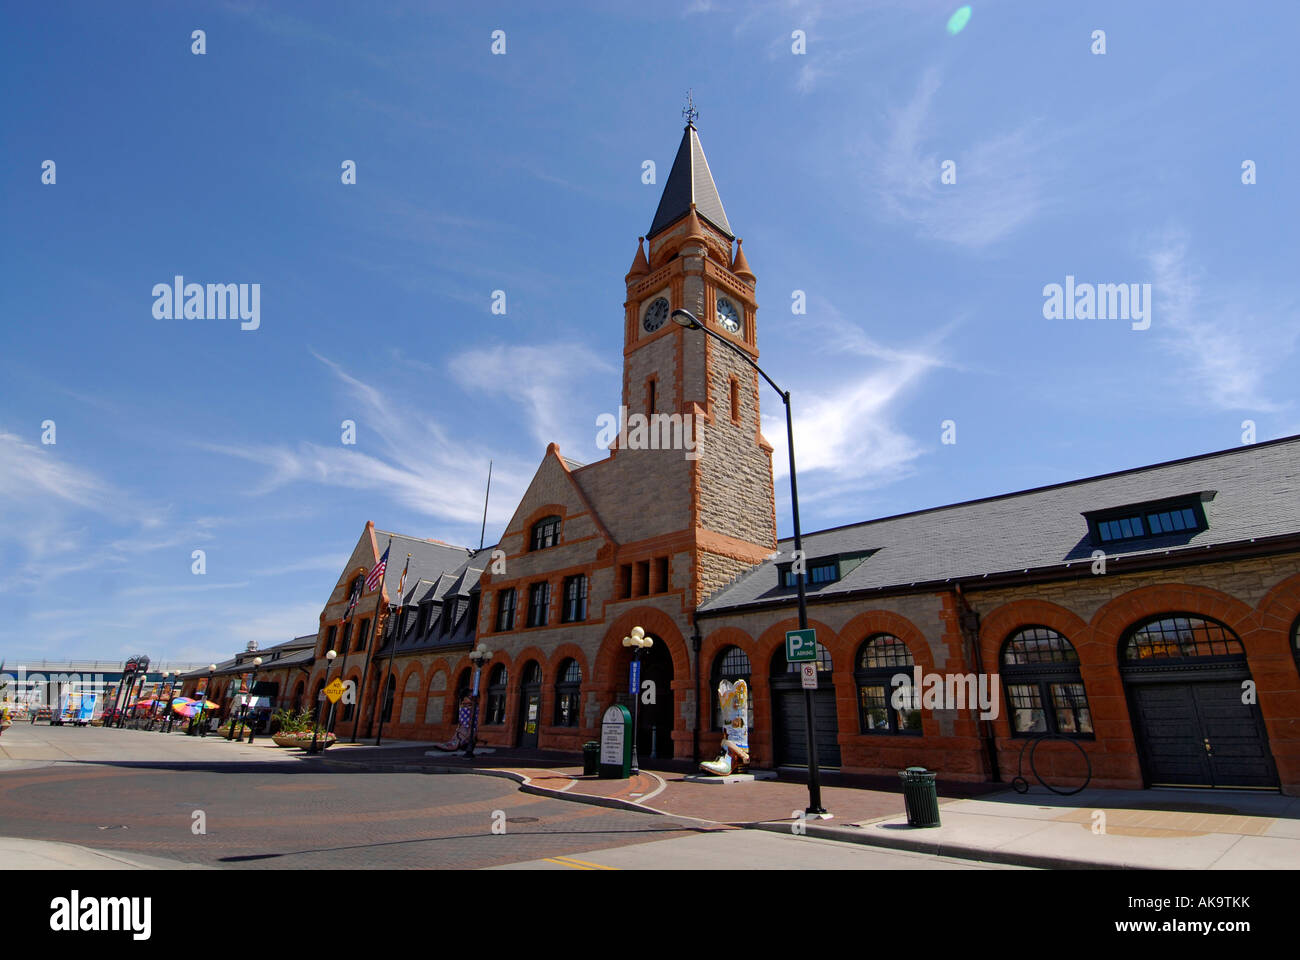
(429, 559)
(689, 182)
(1248, 493)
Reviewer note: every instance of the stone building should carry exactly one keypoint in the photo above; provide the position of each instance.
(1145, 620)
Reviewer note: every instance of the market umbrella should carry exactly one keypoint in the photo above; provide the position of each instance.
(190, 708)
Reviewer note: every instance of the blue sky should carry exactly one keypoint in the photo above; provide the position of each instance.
(522, 172)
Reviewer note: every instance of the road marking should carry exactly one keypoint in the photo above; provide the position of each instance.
(579, 864)
(563, 864)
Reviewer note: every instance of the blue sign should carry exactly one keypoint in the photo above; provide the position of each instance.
(635, 678)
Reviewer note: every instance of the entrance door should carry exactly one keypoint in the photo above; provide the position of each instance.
(789, 723)
(654, 712)
(530, 705)
(1186, 679)
(1202, 735)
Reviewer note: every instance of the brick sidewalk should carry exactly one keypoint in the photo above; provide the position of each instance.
(989, 822)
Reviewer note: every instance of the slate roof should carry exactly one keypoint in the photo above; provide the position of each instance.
(429, 559)
(1256, 495)
(689, 182)
(454, 589)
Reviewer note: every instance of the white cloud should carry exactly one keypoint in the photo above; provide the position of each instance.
(540, 378)
(1227, 342)
(999, 179)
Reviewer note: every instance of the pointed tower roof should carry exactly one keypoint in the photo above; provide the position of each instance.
(689, 182)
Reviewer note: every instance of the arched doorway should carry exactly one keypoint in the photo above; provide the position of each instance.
(654, 711)
(530, 704)
(789, 720)
(1185, 677)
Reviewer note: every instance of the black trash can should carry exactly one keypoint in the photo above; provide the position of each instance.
(921, 796)
(590, 758)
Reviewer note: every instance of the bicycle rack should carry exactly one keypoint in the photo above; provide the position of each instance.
(1021, 785)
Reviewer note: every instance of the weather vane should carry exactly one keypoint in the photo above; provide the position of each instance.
(689, 111)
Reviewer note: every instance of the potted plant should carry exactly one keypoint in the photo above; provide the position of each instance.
(295, 730)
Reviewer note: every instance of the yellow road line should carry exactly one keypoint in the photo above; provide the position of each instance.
(580, 864)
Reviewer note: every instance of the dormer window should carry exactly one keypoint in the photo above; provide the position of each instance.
(546, 533)
(1184, 515)
(819, 571)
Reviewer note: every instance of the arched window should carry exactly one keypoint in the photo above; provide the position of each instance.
(732, 664)
(823, 661)
(496, 697)
(1180, 637)
(546, 533)
(568, 694)
(883, 706)
(1040, 670)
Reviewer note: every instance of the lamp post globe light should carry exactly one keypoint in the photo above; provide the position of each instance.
(685, 318)
(480, 655)
(315, 725)
(638, 641)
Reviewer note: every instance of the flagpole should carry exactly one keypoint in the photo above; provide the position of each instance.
(483, 532)
(392, 651)
(347, 645)
(365, 670)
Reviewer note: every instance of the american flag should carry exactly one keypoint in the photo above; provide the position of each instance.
(377, 575)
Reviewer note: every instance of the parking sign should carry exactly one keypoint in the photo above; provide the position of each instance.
(800, 645)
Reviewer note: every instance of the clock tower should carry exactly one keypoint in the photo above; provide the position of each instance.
(691, 259)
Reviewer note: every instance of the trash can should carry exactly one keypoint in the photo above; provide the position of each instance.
(590, 758)
(921, 797)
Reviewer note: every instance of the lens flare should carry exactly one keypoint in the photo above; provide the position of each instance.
(957, 22)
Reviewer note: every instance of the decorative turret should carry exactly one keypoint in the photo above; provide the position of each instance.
(740, 266)
(640, 265)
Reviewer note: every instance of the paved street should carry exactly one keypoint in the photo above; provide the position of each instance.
(141, 797)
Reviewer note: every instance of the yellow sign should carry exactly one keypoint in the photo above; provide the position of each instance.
(334, 690)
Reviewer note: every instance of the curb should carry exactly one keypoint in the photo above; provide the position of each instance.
(858, 835)
(940, 849)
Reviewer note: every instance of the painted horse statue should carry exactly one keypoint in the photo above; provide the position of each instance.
(733, 700)
(461, 738)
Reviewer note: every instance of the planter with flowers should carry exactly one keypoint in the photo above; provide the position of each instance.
(295, 730)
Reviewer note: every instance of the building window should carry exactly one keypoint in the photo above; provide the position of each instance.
(641, 586)
(651, 390)
(879, 659)
(1154, 520)
(1295, 642)
(347, 636)
(662, 584)
(624, 581)
(1045, 693)
(568, 694)
(1181, 637)
(539, 602)
(821, 571)
(824, 664)
(575, 598)
(731, 664)
(506, 610)
(363, 635)
(735, 400)
(496, 697)
(546, 533)
(330, 637)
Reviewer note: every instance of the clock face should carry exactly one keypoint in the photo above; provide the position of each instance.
(655, 315)
(728, 316)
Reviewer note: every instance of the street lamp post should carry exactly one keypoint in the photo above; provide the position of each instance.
(685, 318)
(252, 685)
(243, 707)
(315, 724)
(203, 704)
(480, 656)
(639, 641)
(171, 697)
(153, 710)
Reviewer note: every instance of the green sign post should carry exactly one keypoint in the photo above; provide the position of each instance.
(616, 743)
(800, 645)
